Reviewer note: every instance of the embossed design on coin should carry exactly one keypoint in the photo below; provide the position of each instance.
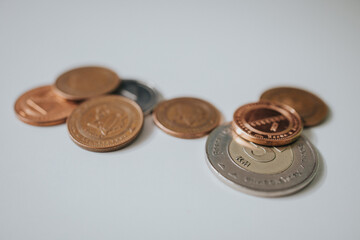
(42, 107)
(186, 117)
(266, 123)
(86, 82)
(105, 123)
(310, 107)
(260, 159)
(141, 93)
(298, 172)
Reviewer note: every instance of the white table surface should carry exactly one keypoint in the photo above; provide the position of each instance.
(160, 187)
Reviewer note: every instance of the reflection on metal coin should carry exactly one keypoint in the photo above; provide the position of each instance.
(186, 117)
(139, 92)
(105, 123)
(267, 123)
(86, 82)
(310, 107)
(258, 170)
(42, 107)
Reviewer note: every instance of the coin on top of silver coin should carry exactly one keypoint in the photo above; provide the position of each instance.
(259, 170)
(141, 93)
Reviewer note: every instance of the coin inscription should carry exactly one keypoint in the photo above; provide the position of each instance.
(267, 123)
(105, 123)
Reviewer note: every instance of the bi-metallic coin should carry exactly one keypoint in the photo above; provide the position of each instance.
(310, 107)
(105, 123)
(139, 92)
(86, 82)
(266, 123)
(259, 170)
(42, 107)
(186, 117)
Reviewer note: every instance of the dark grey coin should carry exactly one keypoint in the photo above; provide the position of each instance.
(141, 93)
(259, 170)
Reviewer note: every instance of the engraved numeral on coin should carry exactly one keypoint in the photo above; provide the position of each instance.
(221, 165)
(233, 175)
(274, 126)
(36, 107)
(267, 121)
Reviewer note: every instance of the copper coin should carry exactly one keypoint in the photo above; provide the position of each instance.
(266, 123)
(105, 123)
(42, 107)
(186, 117)
(86, 82)
(311, 108)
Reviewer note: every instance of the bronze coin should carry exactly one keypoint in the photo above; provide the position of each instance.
(105, 123)
(311, 108)
(186, 117)
(86, 82)
(266, 123)
(42, 107)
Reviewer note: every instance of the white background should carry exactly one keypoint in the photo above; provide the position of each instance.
(227, 52)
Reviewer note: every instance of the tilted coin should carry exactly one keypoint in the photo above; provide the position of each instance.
(186, 117)
(259, 170)
(86, 82)
(139, 92)
(310, 107)
(266, 123)
(105, 123)
(42, 107)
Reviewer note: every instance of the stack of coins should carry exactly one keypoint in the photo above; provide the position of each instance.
(262, 152)
(103, 112)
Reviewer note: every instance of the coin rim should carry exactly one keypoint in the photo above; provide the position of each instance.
(151, 89)
(68, 96)
(180, 134)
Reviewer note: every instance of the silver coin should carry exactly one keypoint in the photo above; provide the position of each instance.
(141, 93)
(259, 170)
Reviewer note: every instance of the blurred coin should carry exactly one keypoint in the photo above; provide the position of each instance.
(258, 170)
(86, 82)
(266, 123)
(186, 117)
(311, 108)
(141, 93)
(105, 123)
(42, 107)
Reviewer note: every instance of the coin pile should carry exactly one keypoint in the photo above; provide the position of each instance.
(103, 112)
(262, 152)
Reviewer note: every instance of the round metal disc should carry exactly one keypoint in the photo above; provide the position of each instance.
(259, 170)
(142, 94)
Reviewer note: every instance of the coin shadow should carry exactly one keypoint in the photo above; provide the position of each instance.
(145, 133)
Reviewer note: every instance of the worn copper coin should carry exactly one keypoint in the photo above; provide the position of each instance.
(86, 82)
(186, 117)
(105, 123)
(266, 123)
(311, 108)
(42, 107)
